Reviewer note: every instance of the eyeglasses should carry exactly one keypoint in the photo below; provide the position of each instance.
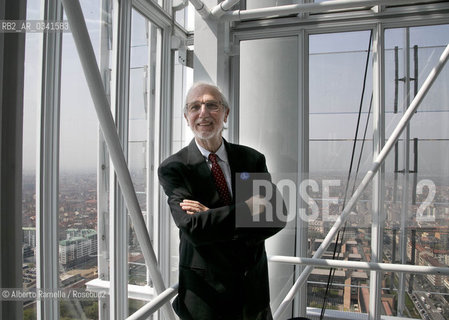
(195, 107)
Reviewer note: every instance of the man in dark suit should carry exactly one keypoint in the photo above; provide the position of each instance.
(223, 222)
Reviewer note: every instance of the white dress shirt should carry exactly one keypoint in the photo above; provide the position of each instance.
(222, 158)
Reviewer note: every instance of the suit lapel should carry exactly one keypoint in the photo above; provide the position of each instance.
(233, 162)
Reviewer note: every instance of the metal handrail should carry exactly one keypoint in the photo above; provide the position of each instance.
(155, 304)
(169, 293)
(386, 267)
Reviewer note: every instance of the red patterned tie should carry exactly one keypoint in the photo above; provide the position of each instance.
(220, 180)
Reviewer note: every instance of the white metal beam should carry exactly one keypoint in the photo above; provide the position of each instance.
(368, 177)
(202, 9)
(405, 180)
(384, 267)
(221, 8)
(320, 7)
(378, 210)
(47, 177)
(101, 104)
(151, 307)
(302, 226)
(118, 219)
(103, 161)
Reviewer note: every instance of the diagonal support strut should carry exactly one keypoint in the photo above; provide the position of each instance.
(367, 179)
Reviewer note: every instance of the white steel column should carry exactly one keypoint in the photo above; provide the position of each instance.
(162, 149)
(118, 217)
(378, 210)
(103, 171)
(405, 181)
(151, 145)
(47, 173)
(300, 302)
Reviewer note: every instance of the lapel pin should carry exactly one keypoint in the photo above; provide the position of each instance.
(244, 176)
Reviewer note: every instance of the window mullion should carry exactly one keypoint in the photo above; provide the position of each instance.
(300, 303)
(48, 165)
(378, 214)
(103, 169)
(118, 218)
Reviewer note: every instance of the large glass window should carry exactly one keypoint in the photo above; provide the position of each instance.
(144, 102)
(417, 177)
(340, 152)
(77, 207)
(181, 137)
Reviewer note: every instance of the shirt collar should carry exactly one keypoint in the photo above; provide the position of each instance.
(221, 152)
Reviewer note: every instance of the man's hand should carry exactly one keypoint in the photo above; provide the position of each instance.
(192, 206)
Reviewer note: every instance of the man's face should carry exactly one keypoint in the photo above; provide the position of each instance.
(205, 114)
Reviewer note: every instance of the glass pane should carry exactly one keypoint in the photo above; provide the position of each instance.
(78, 174)
(144, 102)
(268, 122)
(417, 211)
(181, 137)
(340, 153)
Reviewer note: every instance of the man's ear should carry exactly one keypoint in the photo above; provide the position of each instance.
(226, 116)
(185, 117)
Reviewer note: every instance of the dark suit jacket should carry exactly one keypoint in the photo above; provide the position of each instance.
(223, 267)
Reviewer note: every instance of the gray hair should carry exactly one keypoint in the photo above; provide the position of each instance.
(222, 97)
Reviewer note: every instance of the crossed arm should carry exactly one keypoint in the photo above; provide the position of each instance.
(192, 206)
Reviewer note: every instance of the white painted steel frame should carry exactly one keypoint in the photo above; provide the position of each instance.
(144, 293)
(47, 171)
(93, 77)
(378, 210)
(201, 7)
(154, 305)
(159, 300)
(369, 176)
(162, 147)
(151, 134)
(405, 181)
(401, 267)
(103, 169)
(394, 17)
(321, 7)
(414, 15)
(118, 218)
(300, 302)
(221, 8)
(160, 17)
(384, 267)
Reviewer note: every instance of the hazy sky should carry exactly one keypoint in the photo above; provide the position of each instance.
(78, 120)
